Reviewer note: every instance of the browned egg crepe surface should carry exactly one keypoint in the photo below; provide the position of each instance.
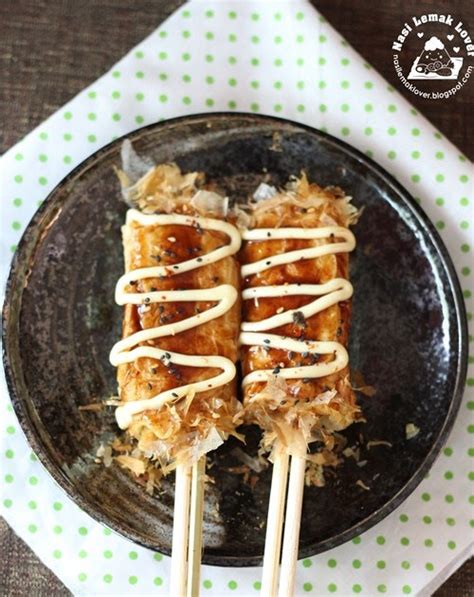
(283, 407)
(175, 431)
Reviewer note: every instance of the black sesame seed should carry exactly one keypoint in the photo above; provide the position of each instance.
(199, 259)
(146, 300)
(267, 341)
(175, 266)
(149, 385)
(268, 263)
(306, 379)
(133, 282)
(276, 371)
(174, 394)
(269, 234)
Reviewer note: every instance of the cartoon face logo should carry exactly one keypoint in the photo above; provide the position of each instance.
(435, 59)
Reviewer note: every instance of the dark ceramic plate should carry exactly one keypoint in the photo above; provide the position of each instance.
(408, 336)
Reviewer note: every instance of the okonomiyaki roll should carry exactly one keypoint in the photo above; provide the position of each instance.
(176, 360)
(296, 315)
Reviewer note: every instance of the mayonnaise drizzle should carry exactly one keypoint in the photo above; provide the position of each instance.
(329, 293)
(225, 295)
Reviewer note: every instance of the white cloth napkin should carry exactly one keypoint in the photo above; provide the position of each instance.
(278, 58)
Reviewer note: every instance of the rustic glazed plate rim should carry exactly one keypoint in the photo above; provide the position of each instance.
(458, 316)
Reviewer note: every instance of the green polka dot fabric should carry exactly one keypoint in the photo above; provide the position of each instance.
(283, 59)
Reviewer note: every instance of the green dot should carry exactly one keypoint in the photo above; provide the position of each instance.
(405, 565)
(440, 225)
(91, 138)
(439, 155)
(415, 178)
(107, 532)
(465, 248)
(406, 589)
(345, 84)
(278, 62)
(450, 522)
(299, 39)
(186, 34)
(43, 136)
(415, 132)
(439, 178)
(9, 453)
(428, 542)
(116, 74)
(133, 555)
(307, 563)
(278, 107)
(43, 157)
(392, 155)
(300, 108)
(82, 576)
(82, 531)
(332, 563)
(392, 131)
(132, 580)
(368, 85)
(345, 107)
(140, 97)
(257, 585)
(232, 37)
(232, 585)
(307, 587)
(32, 528)
(356, 563)
(322, 39)
(163, 98)
(158, 581)
(57, 554)
(380, 540)
(322, 61)
(207, 584)
(17, 202)
(356, 588)
(67, 115)
(470, 452)
(278, 39)
(255, 62)
(392, 108)
(186, 100)
(382, 588)
(18, 178)
(368, 131)
(232, 82)
(8, 478)
(163, 76)
(158, 557)
(107, 578)
(405, 541)
(43, 180)
(471, 499)
(108, 554)
(67, 137)
(449, 498)
(429, 566)
(209, 35)
(33, 480)
(116, 117)
(209, 102)
(232, 60)
(7, 503)
(452, 544)
(32, 505)
(57, 529)
(356, 540)
(232, 104)
(345, 131)
(254, 107)
(254, 84)
(368, 107)
(439, 201)
(255, 39)
(83, 554)
(463, 178)
(322, 84)
(116, 94)
(427, 519)
(332, 588)
(13, 248)
(92, 116)
(381, 564)
(345, 61)
(415, 155)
